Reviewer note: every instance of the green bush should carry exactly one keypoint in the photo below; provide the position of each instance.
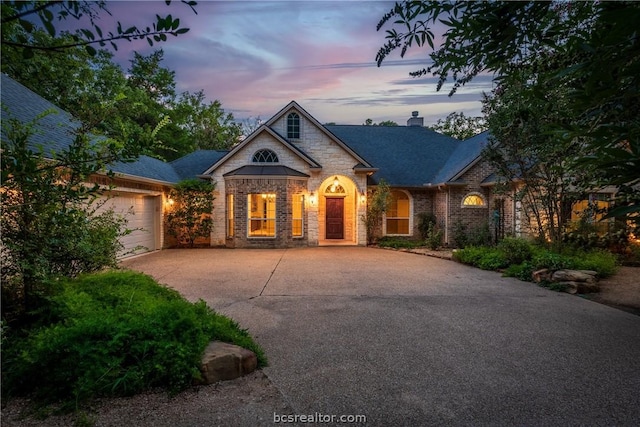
(515, 250)
(476, 236)
(483, 257)
(601, 261)
(426, 222)
(533, 258)
(397, 243)
(114, 333)
(522, 271)
(470, 255)
(493, 259)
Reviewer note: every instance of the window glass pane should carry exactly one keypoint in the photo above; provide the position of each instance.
(473, 200)
(297, 212)
(397, 226)
(293, 126)
(262, 215)
(230, 216)
(398, 213)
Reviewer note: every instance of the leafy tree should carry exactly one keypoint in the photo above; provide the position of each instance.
(593, 50)
(520, 150)
(459, 126)
(207, 124)
(370, 122)
(378, 202)
(29, 15)
(190, 216)
(49, 224)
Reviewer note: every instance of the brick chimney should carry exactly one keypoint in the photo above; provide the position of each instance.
(414, 120)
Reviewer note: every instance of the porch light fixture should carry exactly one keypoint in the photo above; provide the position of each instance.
(312, 199)
(363, 197)
(170, 201)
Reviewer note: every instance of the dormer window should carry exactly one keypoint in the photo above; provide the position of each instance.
(293, 126)
(265, 156)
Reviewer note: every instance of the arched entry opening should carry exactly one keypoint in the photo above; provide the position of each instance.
(337, 219)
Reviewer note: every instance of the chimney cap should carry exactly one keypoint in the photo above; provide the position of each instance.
(414, 114)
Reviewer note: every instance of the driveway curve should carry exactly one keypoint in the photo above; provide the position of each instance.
(405, 339)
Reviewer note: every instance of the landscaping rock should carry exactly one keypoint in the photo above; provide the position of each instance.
(543, 275)
(223, 361)
(580, 287)
(574, 276)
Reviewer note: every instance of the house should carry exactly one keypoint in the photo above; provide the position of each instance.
(295, 182)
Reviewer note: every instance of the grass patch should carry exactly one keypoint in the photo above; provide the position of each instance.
(114, 333)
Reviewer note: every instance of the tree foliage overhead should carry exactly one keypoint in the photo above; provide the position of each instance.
(30, 15)
(590, 49)
(459, 126)
(140, 108)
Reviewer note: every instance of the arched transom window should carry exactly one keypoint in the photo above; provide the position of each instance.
(473, 200)
(293, 126)
(265, 156)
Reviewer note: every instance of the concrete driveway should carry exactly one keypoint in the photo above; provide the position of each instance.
(405, 339)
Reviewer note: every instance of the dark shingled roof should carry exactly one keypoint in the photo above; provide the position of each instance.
(53, 133)
(193, 164)
(148, 167)
(265, 170)
(466, 152)
(407, 156)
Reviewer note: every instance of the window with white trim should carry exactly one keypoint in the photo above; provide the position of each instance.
(473, 200)
(398, 214)
(262, 215)
(293, 126)
(265, 156)
(297, 211)
(230, 216)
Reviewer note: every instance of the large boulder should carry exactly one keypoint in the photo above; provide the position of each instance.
(586, 276)
(223, 361)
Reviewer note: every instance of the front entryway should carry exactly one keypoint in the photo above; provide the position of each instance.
(335, 217)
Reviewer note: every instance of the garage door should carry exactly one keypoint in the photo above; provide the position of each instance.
(142, 219)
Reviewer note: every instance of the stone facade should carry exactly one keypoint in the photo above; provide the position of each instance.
(309, 164)
(337, 163)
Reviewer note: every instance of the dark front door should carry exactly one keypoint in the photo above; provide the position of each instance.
(335, 218)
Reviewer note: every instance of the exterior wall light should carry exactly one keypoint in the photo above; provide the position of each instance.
(312, 199)
(363, 197)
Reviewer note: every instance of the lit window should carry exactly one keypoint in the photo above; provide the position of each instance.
(230, 217)
(262, 215)
(265, 156)
(473, 200)
(293, 126)
(397, 215)
(297, 215)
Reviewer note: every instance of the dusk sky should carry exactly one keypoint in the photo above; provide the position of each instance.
(256, 56)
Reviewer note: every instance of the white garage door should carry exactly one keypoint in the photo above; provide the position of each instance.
(142, 218)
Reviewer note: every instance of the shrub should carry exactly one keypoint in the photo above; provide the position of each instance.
(115, 333)
(396, 243)
(191, 217)
(601, 261)
(515, 250)
(492, 259)
(470, 255)
(426, 223)
(476, 236)
(522, 271)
